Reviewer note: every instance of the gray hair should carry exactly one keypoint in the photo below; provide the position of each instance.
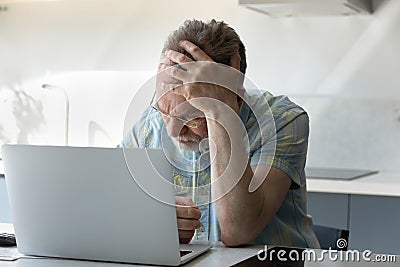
(215, 38)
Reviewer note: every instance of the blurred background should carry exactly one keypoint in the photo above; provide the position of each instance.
(96, 54)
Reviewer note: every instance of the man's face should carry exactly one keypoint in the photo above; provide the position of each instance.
(186, 125)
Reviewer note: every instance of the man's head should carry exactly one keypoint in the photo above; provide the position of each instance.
(221, 43)
(215, 38)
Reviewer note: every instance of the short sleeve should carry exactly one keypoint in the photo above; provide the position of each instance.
(291, 142)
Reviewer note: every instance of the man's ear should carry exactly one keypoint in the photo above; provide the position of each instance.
(240, 101)
(240, 96)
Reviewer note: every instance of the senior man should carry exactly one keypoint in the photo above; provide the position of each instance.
(253, 189)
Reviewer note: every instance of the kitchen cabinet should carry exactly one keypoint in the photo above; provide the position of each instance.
(368, 207)
(374, 223)
(329, 209)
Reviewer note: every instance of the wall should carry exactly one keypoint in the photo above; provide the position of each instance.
(101, 51)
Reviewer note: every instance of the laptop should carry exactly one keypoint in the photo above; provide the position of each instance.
(105, 204)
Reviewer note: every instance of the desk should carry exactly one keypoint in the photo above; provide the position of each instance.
(219, 255)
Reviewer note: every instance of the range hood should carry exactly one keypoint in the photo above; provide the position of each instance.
(289, 8)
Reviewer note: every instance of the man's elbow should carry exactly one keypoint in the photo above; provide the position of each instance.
(234, 240)
(230, 242)
(239, 233)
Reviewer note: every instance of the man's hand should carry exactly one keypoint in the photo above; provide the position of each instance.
(202, 79)
(188, 215)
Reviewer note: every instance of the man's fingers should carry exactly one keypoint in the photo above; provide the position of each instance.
(177, 57)
(164, 72)
(184, 240)
(184, 201)
(165, 83)
(195, 51)
(187, 224)
(188, 212)
(178, 73)
(186, 233)
(166, 61)
(185, 236)
(188, 218)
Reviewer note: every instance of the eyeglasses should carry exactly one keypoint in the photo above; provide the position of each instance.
(191, 123)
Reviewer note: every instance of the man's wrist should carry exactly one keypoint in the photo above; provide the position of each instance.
(224, 109)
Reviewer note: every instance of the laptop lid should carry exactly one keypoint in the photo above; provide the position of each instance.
(83, 203)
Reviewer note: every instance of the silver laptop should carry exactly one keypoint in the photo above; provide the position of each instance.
(84, 203)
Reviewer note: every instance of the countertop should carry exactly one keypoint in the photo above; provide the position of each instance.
(380, 184)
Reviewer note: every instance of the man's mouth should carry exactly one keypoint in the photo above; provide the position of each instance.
(188, 142)
(188, 139)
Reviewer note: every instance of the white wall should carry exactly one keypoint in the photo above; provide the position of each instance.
(63, 42)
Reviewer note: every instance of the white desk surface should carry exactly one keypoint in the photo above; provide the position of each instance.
(217, 256)
(380, 184)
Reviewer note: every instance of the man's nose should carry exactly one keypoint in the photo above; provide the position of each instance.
(175, 128)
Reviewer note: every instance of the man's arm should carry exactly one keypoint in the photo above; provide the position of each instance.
(242, 214)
